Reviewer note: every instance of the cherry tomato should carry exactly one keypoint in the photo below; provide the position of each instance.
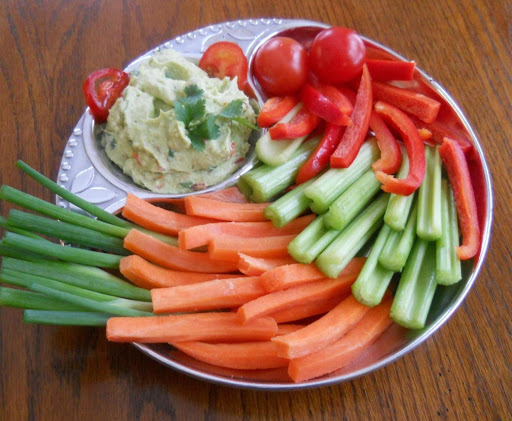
(225, 59)
(337, 55)
(281, 66)
(101, 90)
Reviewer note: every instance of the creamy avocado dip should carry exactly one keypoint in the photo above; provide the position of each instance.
(145, 138)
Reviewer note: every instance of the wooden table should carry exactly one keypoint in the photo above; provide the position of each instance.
(52, 373)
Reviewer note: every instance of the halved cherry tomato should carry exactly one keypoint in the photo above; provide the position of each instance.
(101, 90)
(337, 55)
(223, 59)
(281, 66)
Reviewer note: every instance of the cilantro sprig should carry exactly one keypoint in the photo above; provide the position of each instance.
(202, 126)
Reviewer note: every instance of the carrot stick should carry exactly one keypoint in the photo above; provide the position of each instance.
(241, 356)
(346, 349)
(296, 296)
(295, 274)
(303, 311)
(254, 266)
(173, 257)
(147, 275)
(230, 194)
(208, 327)
(200, 235)
(227, 247)
(176, 203)
(157, 219)
(286, 328)
(211, 295)
(322, 332)
(216, 209)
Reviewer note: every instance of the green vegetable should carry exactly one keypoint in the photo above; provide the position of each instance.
(65, 318)
(416, 287)
(10, 297)
(349, 241)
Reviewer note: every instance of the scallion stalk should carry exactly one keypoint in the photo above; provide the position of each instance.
(65, 318)
(17, 230)
(19, 298)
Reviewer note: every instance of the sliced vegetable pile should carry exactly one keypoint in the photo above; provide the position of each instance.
(273, 273)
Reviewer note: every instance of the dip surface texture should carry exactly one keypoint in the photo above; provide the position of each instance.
(144, 137)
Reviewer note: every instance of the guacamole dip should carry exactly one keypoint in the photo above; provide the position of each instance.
(145, 138)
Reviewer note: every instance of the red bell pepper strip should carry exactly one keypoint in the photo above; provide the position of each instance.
(302, 124)
(413, 146)
(275, 109)
(328, 103)
(319, 159)
(456, 166)
(386, 70)
(101, 90)
(424, 133)
(390, 152)
(355, 134)
(423, 107)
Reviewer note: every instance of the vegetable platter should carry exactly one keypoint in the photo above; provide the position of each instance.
(89, 175)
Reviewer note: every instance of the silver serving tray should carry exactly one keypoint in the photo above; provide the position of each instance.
(86, 171)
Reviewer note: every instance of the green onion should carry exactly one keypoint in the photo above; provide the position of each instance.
(266, 181)
(374, 279)
(448, 266)
(9, 251)
(429, 224)
(399, 206)
(352, 201)
(101, 214)
(306, 246)
(416, 287)
(87, 277)
(349, 241)
(69, 254)
(399, 244)
(326, 189)
(67, 232)
(17, 230)
(10, 297)
(65, 318)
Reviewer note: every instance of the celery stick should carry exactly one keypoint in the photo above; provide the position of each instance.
(352, 201)
(87, 277)
(326, 189)
(10, 297)
(17, 230)
(416, 287)
(399, 244)
(101, 214)
(42, 207)
(448, 266)
(349, 241)
(399, 206)
(65, 318)
(429, 198)
(311, 241)
(69, 254)
(374, 279)
(277, 152)
(288, 206)
(265, 181)
(67, 232)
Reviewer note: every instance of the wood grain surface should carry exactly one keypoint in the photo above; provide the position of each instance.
(462, 372)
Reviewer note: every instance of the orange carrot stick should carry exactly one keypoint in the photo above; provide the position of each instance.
(157, 219)
(322, 332)
(216, 209)
(200, 235)
(241, 356)
(303, 311)
(230, 194)
(147, 275)
(211, 295)
(207, 327)
(286, 328)
(346, 349)
(300, 273)
(254, 266)
(172, 257)
(296, 296)
(227, 247)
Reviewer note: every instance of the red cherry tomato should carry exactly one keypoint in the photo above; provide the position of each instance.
(281, 66)
(337, 55)
(225, 59)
